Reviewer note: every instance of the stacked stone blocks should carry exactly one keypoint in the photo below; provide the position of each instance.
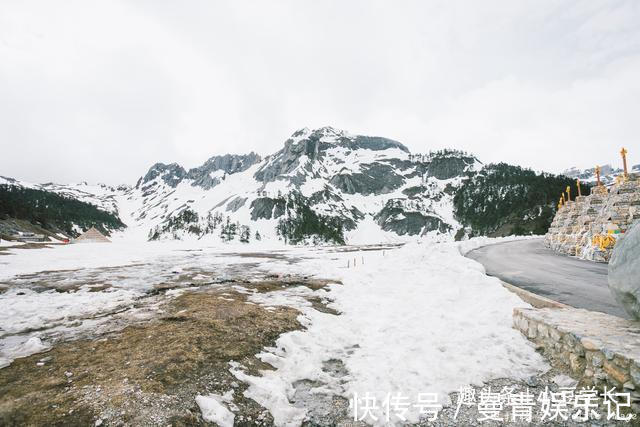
(597, 349)
(581, 224)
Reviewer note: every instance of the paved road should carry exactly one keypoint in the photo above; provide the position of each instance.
(529, 265)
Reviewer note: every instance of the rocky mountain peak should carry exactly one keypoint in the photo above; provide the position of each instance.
(216, 168)
(324, 183)
(172, 174)
(307, 147)
(206, 176)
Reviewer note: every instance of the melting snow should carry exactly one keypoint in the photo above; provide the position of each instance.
(213, 410)
(419, 319)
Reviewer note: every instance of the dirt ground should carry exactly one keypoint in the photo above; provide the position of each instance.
(150, 373)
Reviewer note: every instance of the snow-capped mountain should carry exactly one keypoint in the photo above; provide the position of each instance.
(100, 195)
(608, 173)
(324, 185)
(370, 186)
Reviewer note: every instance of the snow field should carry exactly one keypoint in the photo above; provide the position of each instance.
(419, 319)
(422, 319)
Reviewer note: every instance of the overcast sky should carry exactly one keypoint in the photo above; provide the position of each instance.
(101, 90)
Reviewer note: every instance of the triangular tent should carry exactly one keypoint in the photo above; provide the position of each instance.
(90, 236)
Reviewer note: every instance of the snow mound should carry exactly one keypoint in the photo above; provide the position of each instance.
(214, 411)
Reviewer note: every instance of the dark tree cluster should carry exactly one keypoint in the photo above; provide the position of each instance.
(502, 199)
(301, 223)
(188, 221)
(53, 211)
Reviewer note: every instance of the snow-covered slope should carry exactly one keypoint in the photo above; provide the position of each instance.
(100, 195)
(324, 185)
(373, 187)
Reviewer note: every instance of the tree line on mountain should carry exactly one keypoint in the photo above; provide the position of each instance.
(502, 199)
(188, 221)
(298, 224)
(53, 211)
(301, 224)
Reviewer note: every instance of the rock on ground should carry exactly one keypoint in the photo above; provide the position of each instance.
(624, 271)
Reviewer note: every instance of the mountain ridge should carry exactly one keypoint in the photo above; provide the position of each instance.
(323, 185)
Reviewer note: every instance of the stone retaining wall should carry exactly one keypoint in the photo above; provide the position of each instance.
(607, 211)
(598, 349)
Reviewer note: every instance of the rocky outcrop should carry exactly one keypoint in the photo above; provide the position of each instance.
(214, 170)
(624, 271)
(306, 147)
(236, 204)
(375, 178)
(172, 174)
(207, 176)
(375, 143)
(449, 164)
(407, 219)
(267, 208)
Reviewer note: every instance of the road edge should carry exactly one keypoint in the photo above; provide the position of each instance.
(535, 300)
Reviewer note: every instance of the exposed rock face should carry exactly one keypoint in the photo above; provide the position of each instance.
(403, 220)
(343, 187)
(305, 147)
(375, 143)
(236, 204)
(172, 174)
(213, 171)
(267, 208)
(624, 271)
(207, 176)
(449, 166)
(376, 178)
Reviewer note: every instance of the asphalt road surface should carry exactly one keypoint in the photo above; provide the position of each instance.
(529, 265)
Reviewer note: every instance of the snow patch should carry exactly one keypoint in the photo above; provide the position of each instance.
(213, 410)
(418, 319)
(32, 346)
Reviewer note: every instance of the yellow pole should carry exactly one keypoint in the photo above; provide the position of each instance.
(568, 193)
(623, 153)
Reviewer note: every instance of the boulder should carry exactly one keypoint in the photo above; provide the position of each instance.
(624, 271)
